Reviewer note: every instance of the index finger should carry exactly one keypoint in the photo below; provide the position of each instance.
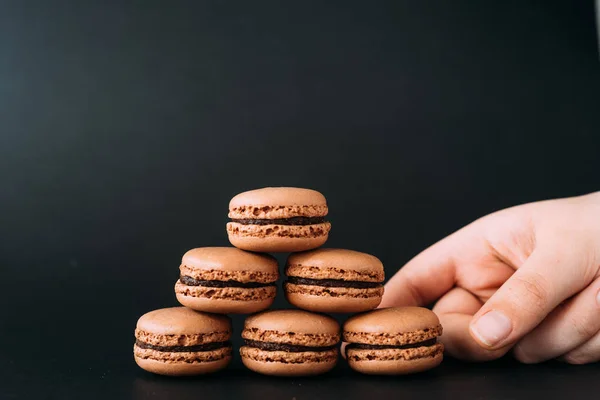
(425, 278)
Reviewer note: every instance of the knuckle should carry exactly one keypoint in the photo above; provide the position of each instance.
(534, 293)
(583, 327)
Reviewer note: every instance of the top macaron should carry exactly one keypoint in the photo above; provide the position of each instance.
(278, 219)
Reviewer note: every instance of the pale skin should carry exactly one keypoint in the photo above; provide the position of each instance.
(524, 280)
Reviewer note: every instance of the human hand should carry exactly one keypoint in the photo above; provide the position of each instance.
(526, 278)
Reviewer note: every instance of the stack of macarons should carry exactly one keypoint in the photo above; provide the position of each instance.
(217, 281)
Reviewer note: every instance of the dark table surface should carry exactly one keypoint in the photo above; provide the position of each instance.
(125, 128)
(78, 344)
(116, 376)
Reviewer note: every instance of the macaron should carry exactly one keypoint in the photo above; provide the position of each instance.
(278, 219)
(334, 280)
(178, 341)
(290, 343)
(227, 280)
(393, 341)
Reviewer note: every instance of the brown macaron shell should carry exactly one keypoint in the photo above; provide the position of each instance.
(277, 244)
(305, 298)
(163, 335)
(258, 272)
(286, 369)
(340, 265)
(277, 203)
(396, 367)
(401, 331)
(241, 301)
(281, 329)
(182, 369)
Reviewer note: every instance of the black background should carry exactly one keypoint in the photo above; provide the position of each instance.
(126, 127)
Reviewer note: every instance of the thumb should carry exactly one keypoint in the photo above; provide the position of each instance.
(526, 298)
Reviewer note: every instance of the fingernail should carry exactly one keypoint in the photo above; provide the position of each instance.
(492, 327)
(598, 298)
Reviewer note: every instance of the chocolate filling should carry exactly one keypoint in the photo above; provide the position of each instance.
(333, 283)
(290, 348)
(362, 346)
(281, 221)
(189, 281)
(179, 349)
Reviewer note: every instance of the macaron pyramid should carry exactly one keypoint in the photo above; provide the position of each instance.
(243, 280)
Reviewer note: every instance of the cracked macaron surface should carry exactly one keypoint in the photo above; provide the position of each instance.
(278, 219)
(179, 341)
